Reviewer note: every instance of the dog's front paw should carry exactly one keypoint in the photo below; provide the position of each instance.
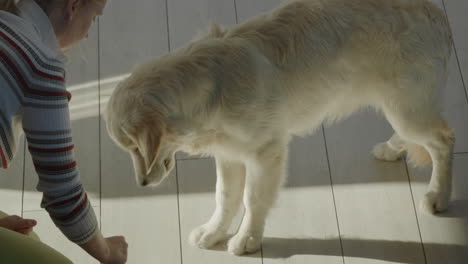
(383, 151)
(435, 202)
(241, 243)
(206, 236)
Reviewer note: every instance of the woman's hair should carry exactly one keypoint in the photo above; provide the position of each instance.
(46, 5)
(49, 5)
(8, 5)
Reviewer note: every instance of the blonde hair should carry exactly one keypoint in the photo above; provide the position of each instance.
(8, 6)
(49, 5)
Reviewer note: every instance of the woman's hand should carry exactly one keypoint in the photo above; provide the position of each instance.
(18, 224)
(117, 250)
(111, 250)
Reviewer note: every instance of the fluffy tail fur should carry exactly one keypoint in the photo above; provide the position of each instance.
(417, 155)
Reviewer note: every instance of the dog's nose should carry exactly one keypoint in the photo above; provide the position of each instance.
(144, 183)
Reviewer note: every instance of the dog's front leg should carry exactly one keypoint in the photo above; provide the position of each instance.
(229, 189)
(264, 177)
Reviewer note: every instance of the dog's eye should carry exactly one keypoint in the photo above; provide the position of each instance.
(166, 163)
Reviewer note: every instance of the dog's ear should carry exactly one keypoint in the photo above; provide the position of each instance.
(147, 137)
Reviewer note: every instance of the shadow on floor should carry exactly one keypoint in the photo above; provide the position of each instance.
(385, 250)
(457, 209)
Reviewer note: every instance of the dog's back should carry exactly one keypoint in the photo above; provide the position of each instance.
(342, 54)
(309, 32)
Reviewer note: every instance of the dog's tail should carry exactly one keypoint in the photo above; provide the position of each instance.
(417, 155)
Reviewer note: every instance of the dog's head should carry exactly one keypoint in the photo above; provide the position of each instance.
(140, 129)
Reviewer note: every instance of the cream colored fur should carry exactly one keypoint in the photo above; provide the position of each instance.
(239, 94)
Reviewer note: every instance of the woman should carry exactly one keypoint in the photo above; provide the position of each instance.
(33, 36)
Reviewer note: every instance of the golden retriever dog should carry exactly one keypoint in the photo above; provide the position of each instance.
(239, 94)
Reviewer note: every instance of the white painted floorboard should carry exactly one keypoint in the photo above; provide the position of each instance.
(339, 204)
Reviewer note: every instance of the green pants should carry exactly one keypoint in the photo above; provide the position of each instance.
(16, 248)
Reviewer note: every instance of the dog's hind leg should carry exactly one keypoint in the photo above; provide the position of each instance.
(420, 123)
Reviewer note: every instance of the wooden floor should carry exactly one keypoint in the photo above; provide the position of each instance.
(339, 205)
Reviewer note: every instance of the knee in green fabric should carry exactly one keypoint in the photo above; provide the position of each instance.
(18, 248)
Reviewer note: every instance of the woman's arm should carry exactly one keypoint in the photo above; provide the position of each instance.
(48, 132)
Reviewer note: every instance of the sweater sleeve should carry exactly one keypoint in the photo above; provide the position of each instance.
(48, 133)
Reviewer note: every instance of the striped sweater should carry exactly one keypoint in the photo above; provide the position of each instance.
(33, 99)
